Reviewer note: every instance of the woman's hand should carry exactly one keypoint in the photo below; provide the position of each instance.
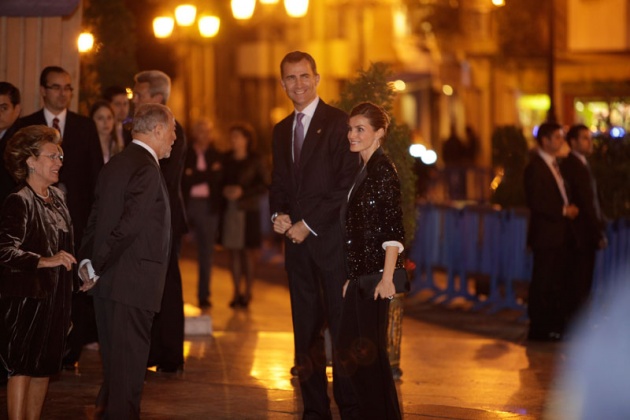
(385, 289)
(60, 258)
(345, 287)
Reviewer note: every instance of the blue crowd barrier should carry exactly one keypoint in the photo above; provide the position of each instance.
(470, 242)
(480, 241)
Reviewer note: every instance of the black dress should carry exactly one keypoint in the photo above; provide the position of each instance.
(372, 217)
(35, 316)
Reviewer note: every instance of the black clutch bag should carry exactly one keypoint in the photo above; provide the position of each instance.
(368, 282)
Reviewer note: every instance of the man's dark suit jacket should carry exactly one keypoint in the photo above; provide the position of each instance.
(548, 228)
(211, 176)
(83, 159)
(7, 183)
(128, 235)
(316, 191)
(589, 227)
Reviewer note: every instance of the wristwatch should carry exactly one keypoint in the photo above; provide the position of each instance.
(273, 217)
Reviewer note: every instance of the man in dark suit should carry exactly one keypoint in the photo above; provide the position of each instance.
(550, 235)
(9, 113)
(201, 186)
(589, 224)
(124, 258)
(313, 170)
(167, 338)
(83, 159)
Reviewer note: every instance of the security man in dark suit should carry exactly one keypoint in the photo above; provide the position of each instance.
(167, 340)
(124, 258)
(589, 224)
(550, 235)
(313, 170)
(9, 113)
(83, 160)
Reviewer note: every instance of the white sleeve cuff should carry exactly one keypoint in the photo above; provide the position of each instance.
(90, 269)
(309, 228)
(400, 246)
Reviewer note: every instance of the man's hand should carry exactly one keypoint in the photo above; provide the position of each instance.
(282, 223)
(84, 275)
(298, 232)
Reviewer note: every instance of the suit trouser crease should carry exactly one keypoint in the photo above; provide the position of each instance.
(124, 336)
(316, 302)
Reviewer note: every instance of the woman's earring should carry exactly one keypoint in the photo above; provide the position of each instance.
(31, 170)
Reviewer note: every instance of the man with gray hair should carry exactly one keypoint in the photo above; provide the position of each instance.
(124, 258)
(167, 338)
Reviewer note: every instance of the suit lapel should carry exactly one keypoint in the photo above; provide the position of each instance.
(551, 179)
(314, 133)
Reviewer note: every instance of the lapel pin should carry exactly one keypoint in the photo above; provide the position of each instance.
(319, 130)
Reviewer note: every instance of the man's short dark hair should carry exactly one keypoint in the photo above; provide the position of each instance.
(11, 91)
(43, 77)
(296, 57)
(110, 92)
(574, 132)
(546, 129)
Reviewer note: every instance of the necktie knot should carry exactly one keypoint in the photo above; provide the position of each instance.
(55, 125)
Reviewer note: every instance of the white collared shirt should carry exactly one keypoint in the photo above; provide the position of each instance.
(580, 156)
(49, 116)
(146, 146)
(549, 160)
(308, 112)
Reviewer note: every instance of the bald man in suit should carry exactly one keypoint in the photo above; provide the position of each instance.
(124, 258)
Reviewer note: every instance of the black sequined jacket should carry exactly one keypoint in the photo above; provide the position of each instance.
(373, 215)
(26, 234)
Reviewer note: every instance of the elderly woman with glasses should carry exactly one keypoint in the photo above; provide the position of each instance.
(35, 270)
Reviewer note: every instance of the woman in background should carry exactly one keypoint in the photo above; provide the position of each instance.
(36, 280)
(244, 182)
(103, 116)
(374, 237)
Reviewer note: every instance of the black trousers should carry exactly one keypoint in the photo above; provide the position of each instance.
(581, 267)
(124, 334)
(362, 345)
(167, 335)
(549, 291)
(316, 302)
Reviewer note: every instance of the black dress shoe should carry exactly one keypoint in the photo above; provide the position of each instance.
(169, 368)
(551, 336)
(243, 301)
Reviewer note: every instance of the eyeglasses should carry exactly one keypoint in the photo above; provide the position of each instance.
(54, 157)
(59, 88)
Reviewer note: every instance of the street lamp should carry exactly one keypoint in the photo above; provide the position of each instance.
(196, 64)
(244, 9)
(185, 15)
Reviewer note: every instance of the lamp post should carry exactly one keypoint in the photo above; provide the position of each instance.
(551, 62)
(192, 45)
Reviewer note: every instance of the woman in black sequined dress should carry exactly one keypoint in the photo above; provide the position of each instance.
(36, 270)
(374, 237)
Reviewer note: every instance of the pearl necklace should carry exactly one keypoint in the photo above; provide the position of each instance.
(46, 197)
